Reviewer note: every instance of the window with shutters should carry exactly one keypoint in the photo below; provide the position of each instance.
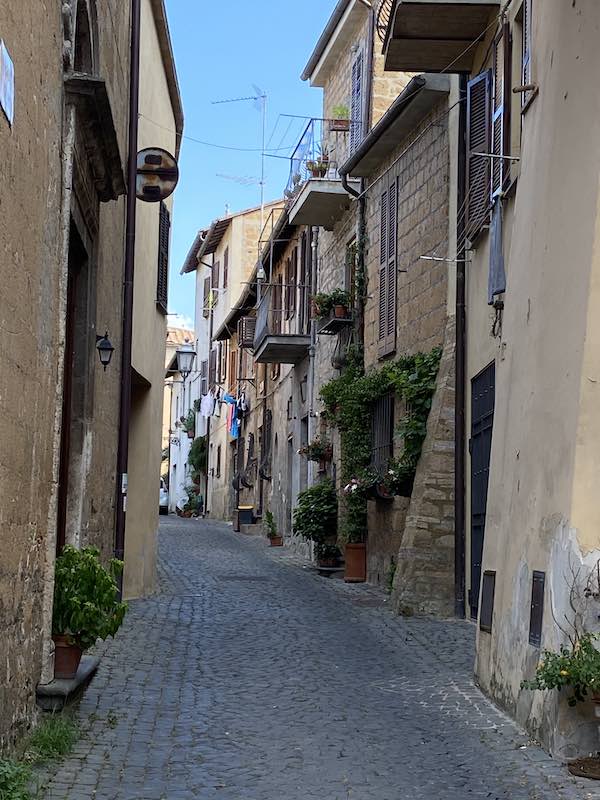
(225, 267)
(478, 141)
(293, 281)
(162, 282)
(500, 167)
(216, 277)
(356, 103)
(287, 288)
(212, 368)
(277, 305)
(204, 378)
(206, 299)
(536, 616)
(526, 79)
(388, 232)
(233, 372)
(222, 363)
(382, 433)
(305, 289)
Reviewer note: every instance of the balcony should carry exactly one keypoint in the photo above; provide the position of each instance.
(314, 193)
(433, 35)
(281, 326)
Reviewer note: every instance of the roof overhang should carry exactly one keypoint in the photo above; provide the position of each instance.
(191, 261)
(166, 50)
(436, 35)
(420, 95)
(214, 237)
(338, 35)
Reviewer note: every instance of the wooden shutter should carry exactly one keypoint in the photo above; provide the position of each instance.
(212, 368)
(233, 376)
(287, 290)
(204, 378)
(162, 282)
(388, 269)
(537, 608)
(500, 167)
(526, 51)
(293, 281)
(356, 110)
(216, 276)
(206, 302)
(246, 331)
(225, 267)
(478, 141)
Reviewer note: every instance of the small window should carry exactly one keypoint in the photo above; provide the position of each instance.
(162, 282)
(537, 608)
(225, 267)
(382, 433)
(488, 587)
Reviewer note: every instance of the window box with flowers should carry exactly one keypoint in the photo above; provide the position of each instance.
(320, 449)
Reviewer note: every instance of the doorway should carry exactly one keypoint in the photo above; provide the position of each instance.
(480, 446)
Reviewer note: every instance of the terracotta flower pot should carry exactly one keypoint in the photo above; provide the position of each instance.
(339, 125)
(356, 562)
(66, 658)
(276, 541)
(340, 312)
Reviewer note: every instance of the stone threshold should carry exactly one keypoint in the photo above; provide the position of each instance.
(57, 694)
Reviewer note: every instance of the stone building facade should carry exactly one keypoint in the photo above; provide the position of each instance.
(62, 235)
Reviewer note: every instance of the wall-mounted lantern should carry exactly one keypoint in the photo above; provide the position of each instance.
(185, 359)
(105, 349)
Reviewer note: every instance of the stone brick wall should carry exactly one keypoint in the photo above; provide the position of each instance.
(423, 186)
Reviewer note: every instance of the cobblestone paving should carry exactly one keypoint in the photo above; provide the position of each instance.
(249, 678)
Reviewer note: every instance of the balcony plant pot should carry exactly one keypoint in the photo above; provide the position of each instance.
(276, 541)
(340, 312)
(66, 658)
(339, 125)
(356, 562)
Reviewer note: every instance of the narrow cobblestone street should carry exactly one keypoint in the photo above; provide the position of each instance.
(250, 678)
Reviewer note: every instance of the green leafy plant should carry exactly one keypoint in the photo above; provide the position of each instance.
(189, 421)
(198, 455)
(86, 597)
(315, 516)
(320, 449)
(270, 526)
(349, 401)
(340, 112)
(324, 303)
(14, 780)
(576, 668)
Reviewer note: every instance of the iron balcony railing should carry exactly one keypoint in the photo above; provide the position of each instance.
(323, 147)
(384, 15)
(282, 310)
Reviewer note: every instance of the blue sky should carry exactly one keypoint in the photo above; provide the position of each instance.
(221, 51)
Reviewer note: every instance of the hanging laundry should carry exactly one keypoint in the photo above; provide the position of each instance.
(207, 405)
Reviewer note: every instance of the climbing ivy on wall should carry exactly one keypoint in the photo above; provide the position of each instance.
(349, 401)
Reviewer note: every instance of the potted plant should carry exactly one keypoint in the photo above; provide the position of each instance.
(275, 540)
(314, 168)
(355, 527)
(341, 118)
(327, 555)
(189, 423)
(315, 516)
(198, 458)
(86, 606)
(340, 301)
(320, 449)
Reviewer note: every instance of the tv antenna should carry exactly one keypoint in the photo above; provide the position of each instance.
(260, 104)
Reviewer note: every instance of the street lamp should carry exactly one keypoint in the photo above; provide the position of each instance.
(105, 349)
(185, 359)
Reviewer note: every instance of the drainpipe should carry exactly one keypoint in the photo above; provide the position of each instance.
(314, 245)
(125, 395)
(459, 432)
